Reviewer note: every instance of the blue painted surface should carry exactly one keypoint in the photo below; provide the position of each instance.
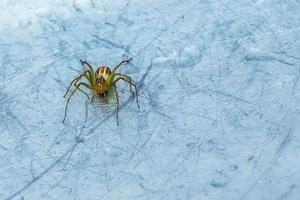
(219, 95)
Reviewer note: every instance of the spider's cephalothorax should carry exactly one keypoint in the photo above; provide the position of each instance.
(102, 75)
(100, 82)
(103, 71)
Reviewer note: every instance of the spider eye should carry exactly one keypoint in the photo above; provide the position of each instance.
(100, 80)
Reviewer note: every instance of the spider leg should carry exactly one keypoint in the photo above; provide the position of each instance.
(105, 97)
(77, 87)
(121, 63)
(86, 63)
(90, 69)
(83, 84)
(117, 96)
(74, 81)
(93, 97)
(129, 82)
(129, 79)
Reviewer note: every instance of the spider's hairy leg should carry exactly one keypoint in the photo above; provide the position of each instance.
(74, 81)
(77, 87)
(117, 97)
(90, 70)
(134, 85)
(129, 79)
(93, 96)
(88, 65)
(83, 84)
(121, 63)
(105, 97)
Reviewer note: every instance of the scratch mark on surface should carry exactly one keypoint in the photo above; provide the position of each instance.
(275, 158)
(288, 192)
(39, 176)
(122, 47)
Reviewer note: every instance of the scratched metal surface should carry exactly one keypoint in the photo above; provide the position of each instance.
(219, 95)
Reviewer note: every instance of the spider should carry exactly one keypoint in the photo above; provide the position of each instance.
(100, 82)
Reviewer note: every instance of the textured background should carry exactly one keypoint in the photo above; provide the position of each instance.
(219, 95)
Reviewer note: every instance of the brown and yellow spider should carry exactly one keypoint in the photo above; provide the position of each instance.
(100, 82)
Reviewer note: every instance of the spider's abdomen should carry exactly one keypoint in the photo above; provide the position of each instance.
(104, 72)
